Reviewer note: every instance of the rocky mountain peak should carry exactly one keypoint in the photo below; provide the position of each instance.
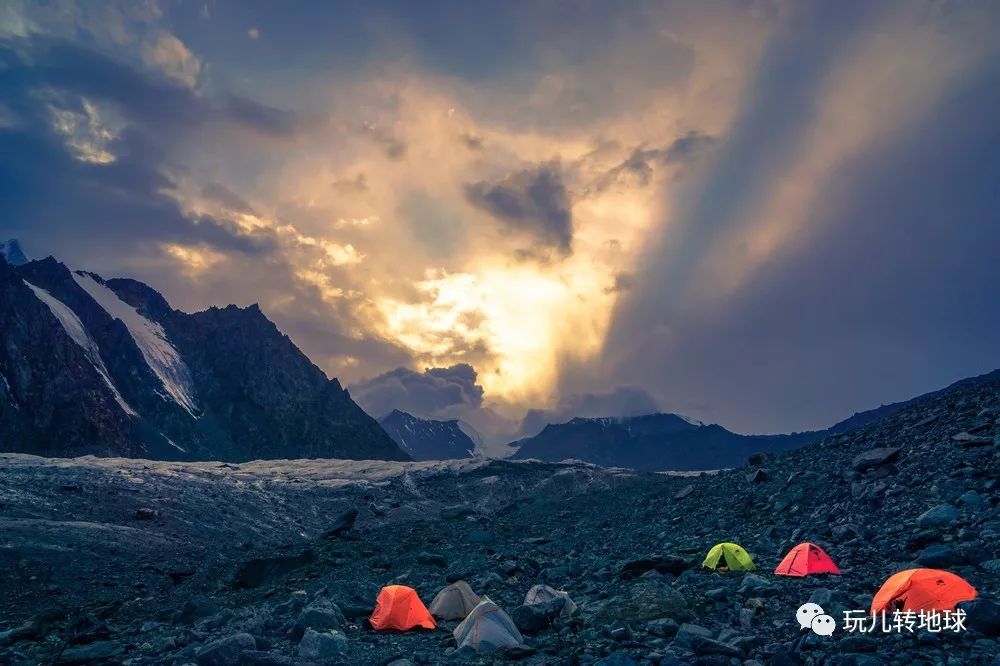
(10, 251)
(222, 384)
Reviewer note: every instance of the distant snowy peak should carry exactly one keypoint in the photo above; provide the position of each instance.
(429, 439)
(160, 354)
(78, 333)
(12, 254)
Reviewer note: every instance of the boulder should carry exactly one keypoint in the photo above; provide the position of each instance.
(196, 608)
(758, 586)
(342, 525)
(256, 572)
(940, 556)
(875, 458)
(92, 653)
(645, 599)
(321, 616)
(619, 658)
(684, 492)
(320, 646)
(982, 615)
(687, 634)
(225, 651)
(533, 618)
(668, 564)
(942, 515)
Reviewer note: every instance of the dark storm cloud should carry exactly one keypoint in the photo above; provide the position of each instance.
(889, 294)
(622, 401)
(51, 195)
(426, 393)
(532, 201)
(156, 101)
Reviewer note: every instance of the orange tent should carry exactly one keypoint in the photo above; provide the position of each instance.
(922, 589)
(399, 607)
(806, 559)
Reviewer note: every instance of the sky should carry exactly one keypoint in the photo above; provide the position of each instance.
(764, 214)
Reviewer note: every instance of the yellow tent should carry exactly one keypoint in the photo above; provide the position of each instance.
(728, 556)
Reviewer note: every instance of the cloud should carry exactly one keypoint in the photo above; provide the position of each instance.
(533, 201)
(638, 168)
(226, 198)
(621, 282)
(392, 147)
(621, 401)
(40, 63)
(165, 52)
(802, 276)
(471, 141)
(429, 393)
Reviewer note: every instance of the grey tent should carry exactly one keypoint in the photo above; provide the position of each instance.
(541, 594)
(454, 602)
(487, 629)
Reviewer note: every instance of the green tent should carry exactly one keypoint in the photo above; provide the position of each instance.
(729, 555)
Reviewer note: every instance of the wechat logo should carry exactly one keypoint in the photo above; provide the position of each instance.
(811, 616)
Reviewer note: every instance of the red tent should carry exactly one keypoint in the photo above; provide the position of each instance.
(922, 589)
(806, 559)
(398, 607)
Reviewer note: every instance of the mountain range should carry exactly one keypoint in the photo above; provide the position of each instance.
(108, 367)
(662, 442)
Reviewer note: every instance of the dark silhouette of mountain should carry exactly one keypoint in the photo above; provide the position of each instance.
(668, 442)
(89, 366)
(428, 439)
(654, 442)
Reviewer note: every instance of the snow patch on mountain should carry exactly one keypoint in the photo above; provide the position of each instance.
(10, 394)
(78, 333)
(161, 356)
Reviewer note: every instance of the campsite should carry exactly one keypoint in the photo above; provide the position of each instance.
(906, 494)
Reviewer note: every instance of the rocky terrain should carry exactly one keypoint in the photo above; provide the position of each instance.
(107, 367)
(268, 563)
